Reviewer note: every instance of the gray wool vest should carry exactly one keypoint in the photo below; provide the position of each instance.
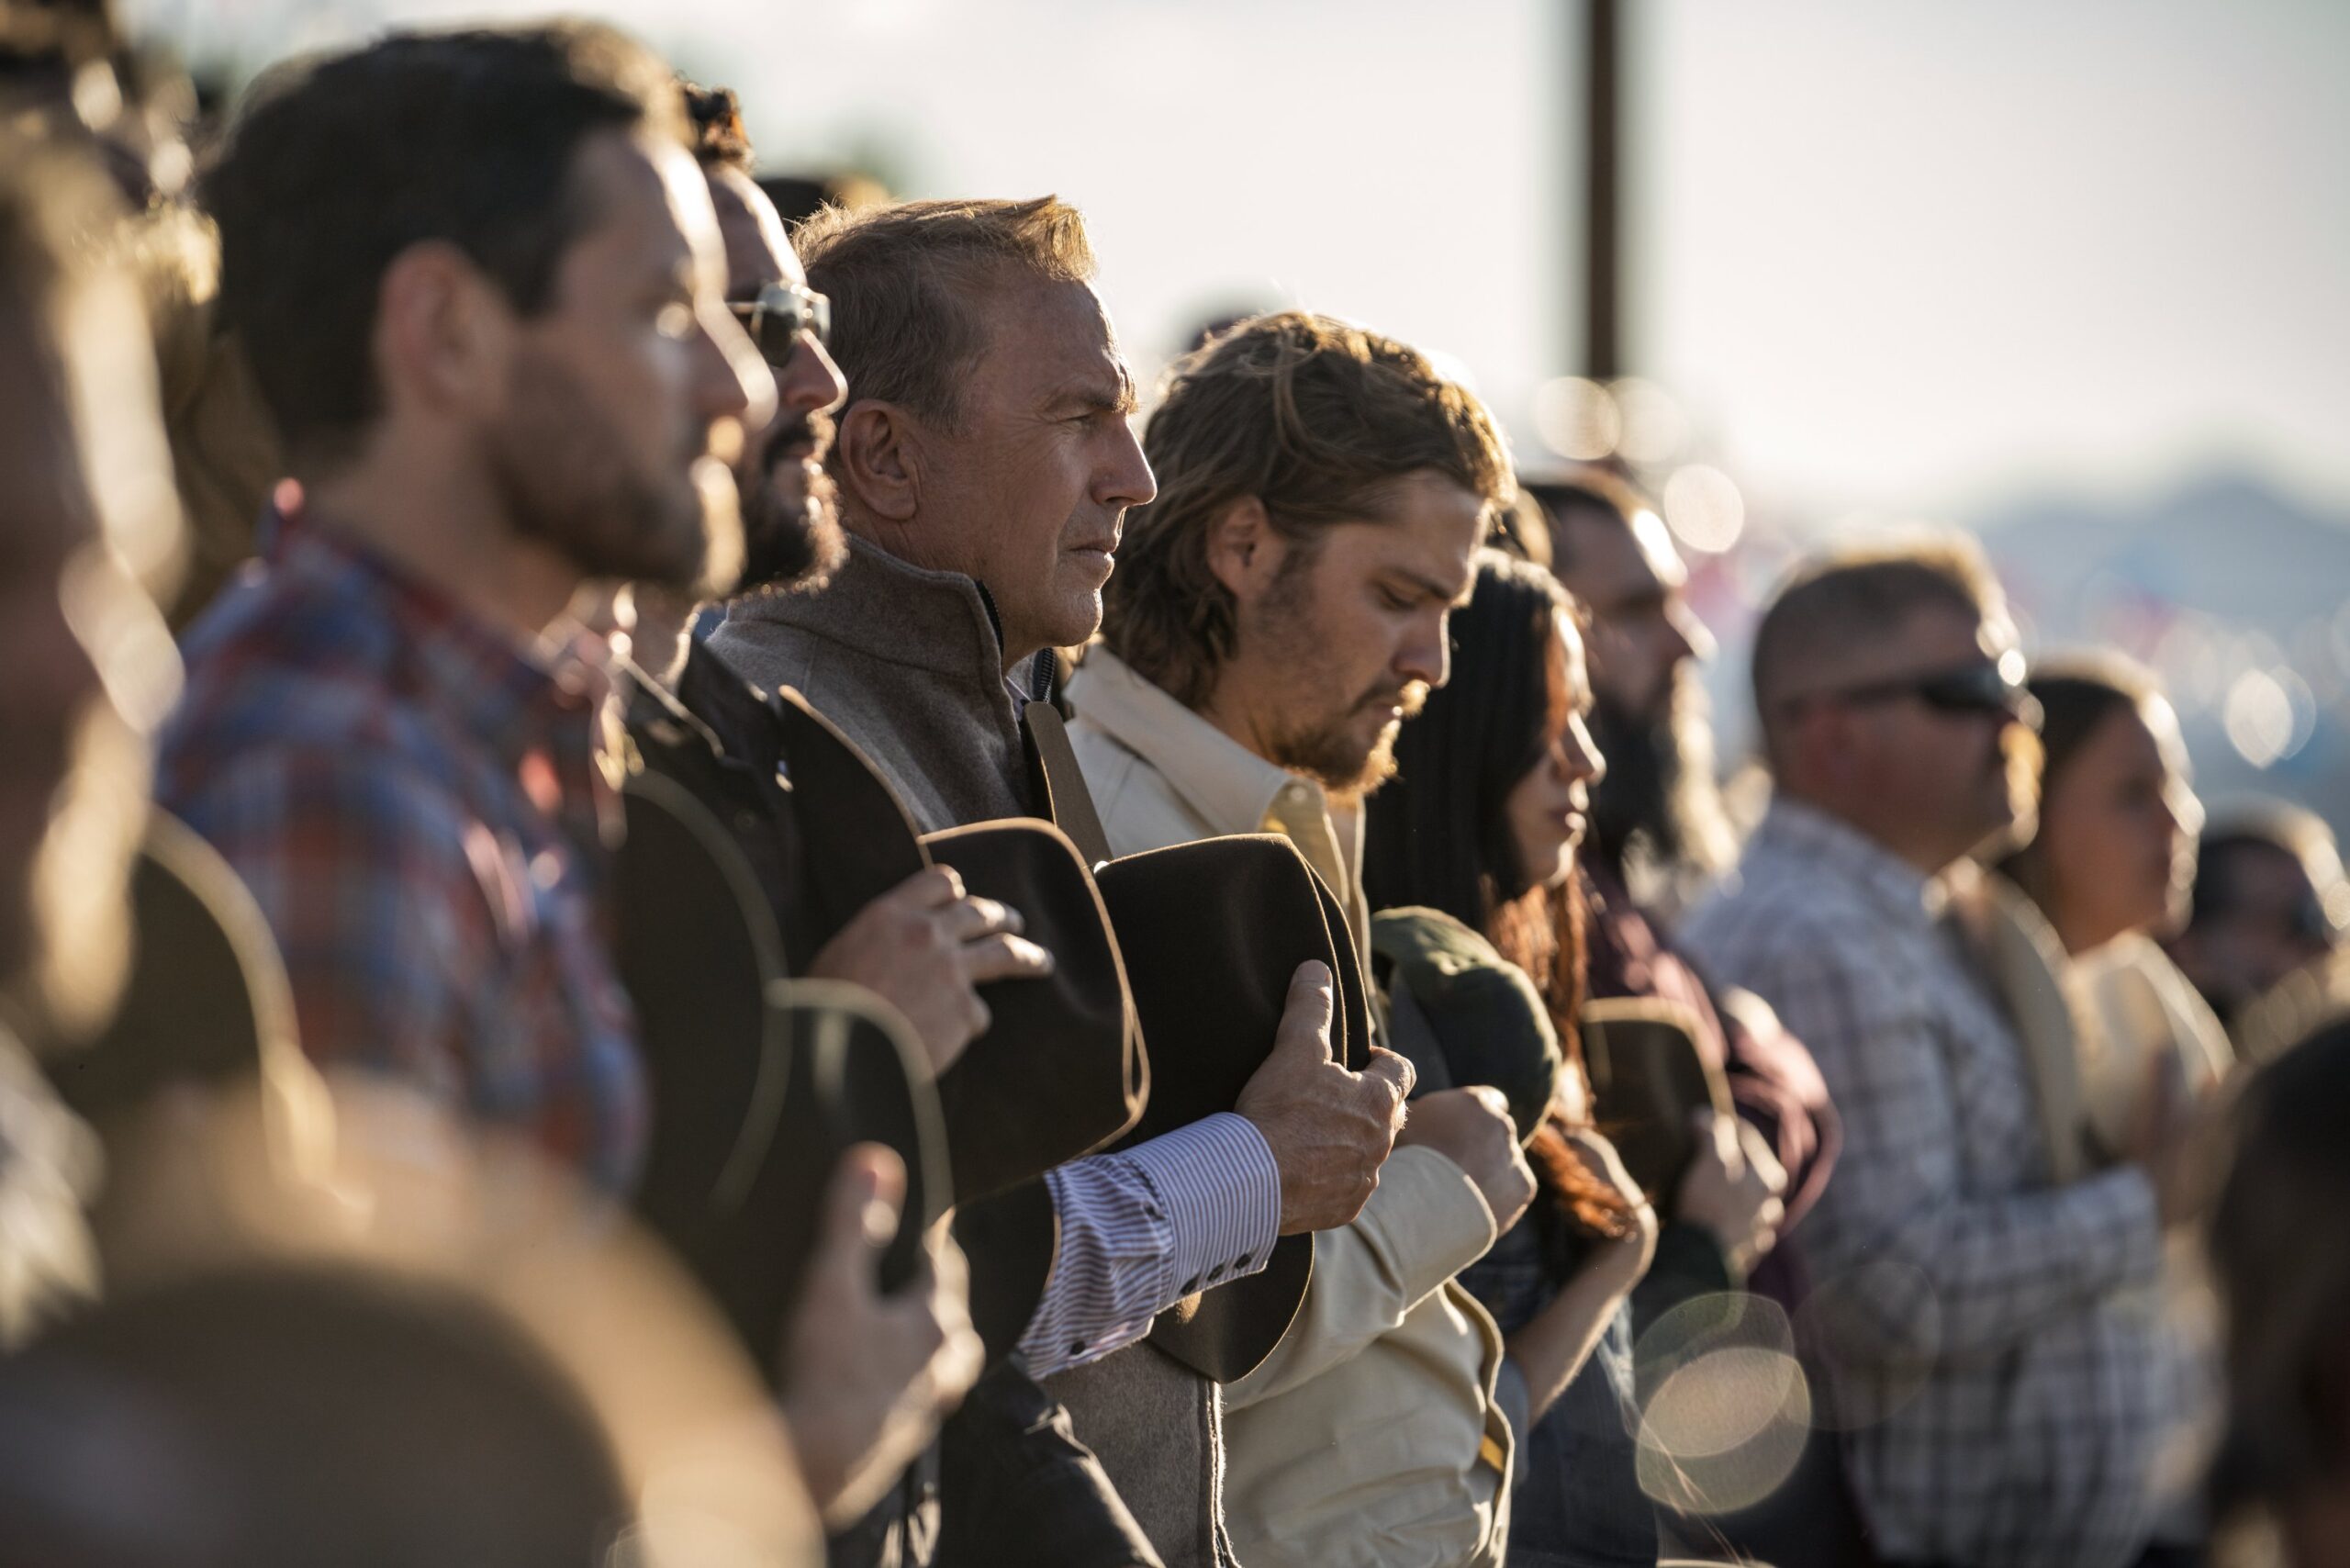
(907, 662)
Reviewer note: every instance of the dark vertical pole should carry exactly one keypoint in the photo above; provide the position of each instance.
(1603, 344)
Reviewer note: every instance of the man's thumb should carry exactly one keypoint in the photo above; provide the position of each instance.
(869, 1191)
(1305, 1016)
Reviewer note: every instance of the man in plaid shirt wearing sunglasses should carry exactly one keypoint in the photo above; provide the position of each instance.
(1990, 1333)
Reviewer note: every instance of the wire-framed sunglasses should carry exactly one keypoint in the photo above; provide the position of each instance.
(776, 318)
(1990, 687)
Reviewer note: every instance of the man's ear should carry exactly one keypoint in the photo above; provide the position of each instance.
(1243, 552)
(877, 459)
(443, 334)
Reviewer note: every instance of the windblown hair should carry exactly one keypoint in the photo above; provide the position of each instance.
(1317, 420)
(2077, 693)
(336, 168)
(1438, 835)
(910, 285)
(1835, 605)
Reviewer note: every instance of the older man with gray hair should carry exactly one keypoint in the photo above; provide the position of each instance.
(984, 465)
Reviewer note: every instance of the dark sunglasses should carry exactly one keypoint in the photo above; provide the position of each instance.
(776, 318)
(1993, 688)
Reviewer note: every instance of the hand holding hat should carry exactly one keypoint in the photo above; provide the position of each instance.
(925, 947)
(1329, 1129)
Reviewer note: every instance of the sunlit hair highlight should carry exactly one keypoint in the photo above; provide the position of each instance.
(1315, 417)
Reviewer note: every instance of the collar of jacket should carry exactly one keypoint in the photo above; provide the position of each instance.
(941, 623)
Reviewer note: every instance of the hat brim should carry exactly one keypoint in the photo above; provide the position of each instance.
(1212, 933)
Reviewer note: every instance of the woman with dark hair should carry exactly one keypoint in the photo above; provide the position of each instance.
(2109, 870)
(1481, 822)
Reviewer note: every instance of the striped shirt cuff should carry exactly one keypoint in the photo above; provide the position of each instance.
(1143, 1228)
(1223, 1194)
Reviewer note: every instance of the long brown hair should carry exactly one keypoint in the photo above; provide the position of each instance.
(1435, 834)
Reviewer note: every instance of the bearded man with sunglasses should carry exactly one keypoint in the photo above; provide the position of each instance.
(1990, 1334)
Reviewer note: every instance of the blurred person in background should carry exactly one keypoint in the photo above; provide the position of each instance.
(89, 527)
(2110, 869)
(1993, 1351)
(481, 285)
(1482, 821)
(985, 464)
(1659, 835)
(2281, 1475)
(2271, 899)
(1657, 822)
(1276, 611)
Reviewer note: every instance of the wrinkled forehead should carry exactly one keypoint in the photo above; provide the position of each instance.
(1047, 337)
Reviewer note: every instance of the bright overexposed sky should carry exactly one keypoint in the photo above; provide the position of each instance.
(1906, 253)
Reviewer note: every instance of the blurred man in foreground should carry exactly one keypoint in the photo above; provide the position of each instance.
(1991, 1334)
(482, 287)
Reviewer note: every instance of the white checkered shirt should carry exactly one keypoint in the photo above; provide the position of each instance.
(1993, 1339)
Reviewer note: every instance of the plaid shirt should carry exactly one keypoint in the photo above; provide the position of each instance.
(414, 799)
(1993, 1339)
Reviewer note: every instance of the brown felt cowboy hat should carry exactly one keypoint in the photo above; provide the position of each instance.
(758, 1084)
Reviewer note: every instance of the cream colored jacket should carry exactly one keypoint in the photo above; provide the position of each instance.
(1379, 1432)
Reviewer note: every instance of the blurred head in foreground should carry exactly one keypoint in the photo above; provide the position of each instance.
(282, 1416)
(479, 270)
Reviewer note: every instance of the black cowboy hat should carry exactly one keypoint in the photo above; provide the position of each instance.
(1213, 931)
(758, 1083)
(1060, 1070)
(206, 1000)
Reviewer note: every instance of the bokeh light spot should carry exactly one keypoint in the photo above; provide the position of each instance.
(1702, 505)
(1577, 417)
(2269, 715)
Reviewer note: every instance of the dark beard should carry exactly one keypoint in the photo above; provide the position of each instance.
(792, 545)
(561, 472)
(1652, 795)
